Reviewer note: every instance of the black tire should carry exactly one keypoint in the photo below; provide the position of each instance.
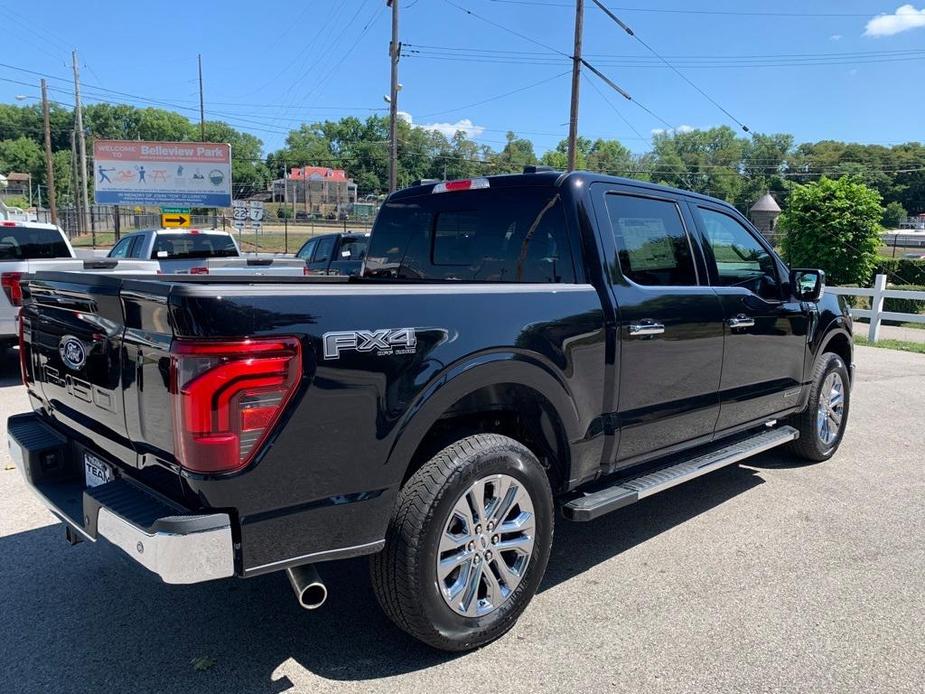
(810, 445)
(404, 574)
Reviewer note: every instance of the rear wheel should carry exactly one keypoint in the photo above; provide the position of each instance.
(822, 423)
(468, 545)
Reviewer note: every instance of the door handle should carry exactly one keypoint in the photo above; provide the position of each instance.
(741, 321)
(648, 328)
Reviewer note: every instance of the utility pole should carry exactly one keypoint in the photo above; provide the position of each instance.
(394, 51)
(82, 143)
(202, 106)
(49, 161)
(576, 85)
(75, 182)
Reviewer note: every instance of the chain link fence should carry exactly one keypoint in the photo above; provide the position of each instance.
(281, 232)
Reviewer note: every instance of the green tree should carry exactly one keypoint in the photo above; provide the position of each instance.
(517, 153)
(610, 156)
(63, 171)
(833, 225)
(24, 155)
(704, 161)
(893, 214)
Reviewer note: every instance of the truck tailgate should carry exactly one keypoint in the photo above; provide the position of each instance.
(73, 327)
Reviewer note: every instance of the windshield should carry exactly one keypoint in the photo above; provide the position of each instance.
(179, 246)
(23, 243)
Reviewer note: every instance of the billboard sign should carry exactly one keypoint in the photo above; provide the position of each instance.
(189, 174)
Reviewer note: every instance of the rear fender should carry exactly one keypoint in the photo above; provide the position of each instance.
(470, 375)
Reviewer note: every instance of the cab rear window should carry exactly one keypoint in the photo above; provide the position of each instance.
(23, 243)
(489, 235)
(179, 246)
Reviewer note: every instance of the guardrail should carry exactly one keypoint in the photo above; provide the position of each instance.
(875, 314)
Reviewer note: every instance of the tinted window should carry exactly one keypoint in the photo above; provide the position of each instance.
(352, 248)
(175, 246)
(653, 246)
(120, 250)
(493, 235)
(325, 246)
(22, 243)
(739, 259)
(305, 252)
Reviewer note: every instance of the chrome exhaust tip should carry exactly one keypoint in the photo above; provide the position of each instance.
(307, 586)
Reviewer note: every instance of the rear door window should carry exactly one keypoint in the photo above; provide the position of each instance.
(490, 235)
(24, 243)
(652, 244)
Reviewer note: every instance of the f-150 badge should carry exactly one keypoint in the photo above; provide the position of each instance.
(382, 342)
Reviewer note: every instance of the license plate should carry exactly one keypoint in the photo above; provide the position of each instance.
(96, 472)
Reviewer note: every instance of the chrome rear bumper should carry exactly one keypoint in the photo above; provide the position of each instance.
(178, 546)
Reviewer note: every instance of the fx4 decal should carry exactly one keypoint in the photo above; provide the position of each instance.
(382, 342)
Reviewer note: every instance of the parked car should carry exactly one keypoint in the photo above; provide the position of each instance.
(517, 345)
(28, 247)
(198, 252)
(335, 254)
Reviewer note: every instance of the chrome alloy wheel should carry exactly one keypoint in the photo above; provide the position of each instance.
(831, 408)
(486, 545)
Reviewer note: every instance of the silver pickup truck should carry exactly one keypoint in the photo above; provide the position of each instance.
(199, 252)
(29, 247)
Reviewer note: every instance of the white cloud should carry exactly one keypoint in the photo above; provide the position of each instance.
(905, 18)
(448, 129)
(836, 37)
(672, 131)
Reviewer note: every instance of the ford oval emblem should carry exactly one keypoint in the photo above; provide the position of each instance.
(72, 351)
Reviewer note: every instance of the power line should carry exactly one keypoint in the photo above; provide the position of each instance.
(610, 83)
(629, 31)
(507, 29)
(496, 96)
(738, 13)
(614, 108)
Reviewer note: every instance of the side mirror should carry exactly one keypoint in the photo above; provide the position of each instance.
(807, 284)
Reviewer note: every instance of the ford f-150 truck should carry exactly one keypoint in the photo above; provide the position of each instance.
(516, 346)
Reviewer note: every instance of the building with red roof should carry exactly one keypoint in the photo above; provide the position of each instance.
(317, 189)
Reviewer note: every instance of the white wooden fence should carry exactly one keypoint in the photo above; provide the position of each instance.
(875, 314)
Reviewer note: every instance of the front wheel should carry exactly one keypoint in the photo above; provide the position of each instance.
(822, 423)
(468, 544)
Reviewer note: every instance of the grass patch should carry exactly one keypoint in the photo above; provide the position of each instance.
(901, 345)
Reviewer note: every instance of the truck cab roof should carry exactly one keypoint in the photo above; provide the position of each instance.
(558, 179)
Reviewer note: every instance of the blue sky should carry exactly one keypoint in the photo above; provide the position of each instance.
(817, 70)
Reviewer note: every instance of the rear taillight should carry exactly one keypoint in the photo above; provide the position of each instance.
(12, 287)
(228, 396)
(199, 271)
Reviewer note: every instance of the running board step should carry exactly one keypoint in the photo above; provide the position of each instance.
(629, 490)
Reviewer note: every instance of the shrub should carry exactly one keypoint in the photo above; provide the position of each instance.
(898, 270)
(905, 305)
(833, 225)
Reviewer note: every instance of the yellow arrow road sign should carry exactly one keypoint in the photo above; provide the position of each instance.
(175, 220)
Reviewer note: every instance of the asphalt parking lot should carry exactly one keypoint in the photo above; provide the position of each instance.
(764, 577)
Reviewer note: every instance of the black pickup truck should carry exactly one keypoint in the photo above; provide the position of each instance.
(517, 345)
